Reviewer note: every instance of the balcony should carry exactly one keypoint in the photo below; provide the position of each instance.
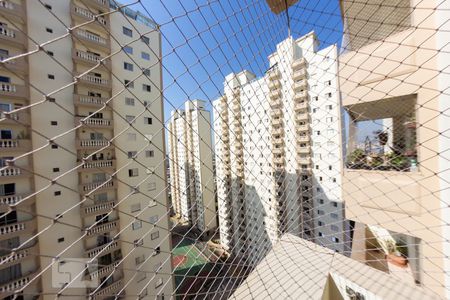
(278, 151)
(303, 138)
(93, 122)
(274, 103)
(300, 85)
(278, 160)
(96, 82)
(12, 37)
(304, 160)
(92, 144)
(109, 290)
(276, 112)
(15, 118)
(13, 90)
(15, 145)
(275, 94)
(15, 284)
(299, 74)
(100, 4)
(12, 199)
(103, 271)
(18, 256)
(90, 101)
(11, 230)
(97, 186)
(273, 74)
(12, 172)
(12, 10)
(102, 228)
(302, 128)
(86, 15)
(92, 39)
(97, 208)
(301, 116)
(96, 165)
(277, 131)
(301, 96)
(278, 141)
(275, 84)
(277, 122)
(18, 65)
(303, 150)
(103, 249)
(89, 58)
(298, 63)
(301, 105)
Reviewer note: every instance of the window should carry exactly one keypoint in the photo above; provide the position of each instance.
(157, 251)
(148, 121)
(320, 233)
(318, 132)
(60, 240)
(50, 53)
(138, 242)
(153, 219)
(127, 31)
(128, 66)
(48, 6)
(146, 72)
(132, 154)
(139, 260)
(330, 107)
(51, 76)
(55, 170)
(329, 119)
(329, 82)
(135, 207)
(133, 172)
(136, 225)
(129, 101)
(334, 215)
(128, 83)
(334, 228)
(149, 153)
(145, 39)
(158, 283)
(335, 239)
(49, 30)
(128, 49)
(320, 223)
(334, 203)
(145, 55)
(154, 235)
(57, 193)
(53, 123)
(329, 95)
(146, 88)
(320, 212)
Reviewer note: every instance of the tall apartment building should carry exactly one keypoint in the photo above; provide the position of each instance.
(191, 167)
(392, 69)
(90, 183)
(278, 151)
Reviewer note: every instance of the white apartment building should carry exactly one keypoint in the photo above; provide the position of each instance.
(278, 151)
(191, 167)
(95, 186)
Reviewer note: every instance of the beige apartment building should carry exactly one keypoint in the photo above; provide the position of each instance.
(89, 182)
(278, 152)
(191, 167)
(392, 69)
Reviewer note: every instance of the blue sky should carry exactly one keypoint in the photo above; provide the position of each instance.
(203, 41)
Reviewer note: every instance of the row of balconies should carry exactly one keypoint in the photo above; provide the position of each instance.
(102, 228)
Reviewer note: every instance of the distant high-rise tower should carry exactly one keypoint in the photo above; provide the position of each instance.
(278, 151)
(191, 167)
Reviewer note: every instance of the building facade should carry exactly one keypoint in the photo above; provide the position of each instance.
(191, 166)
(391, 69)
(278, 151)
(89, 183)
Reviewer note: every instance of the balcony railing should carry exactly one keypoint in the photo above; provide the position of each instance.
(13, 10)
(10, 172)
(16, 284)
(273, 73)
(11, 199)
(92, 144)
(14, 144)
(13, 90)
(275, 84)
(275, 102)
(99, 3)
(275, 94)
(301, 105)
(300, 74)
(302, 128)
(98, 164)
(299, 63)
(103, 249)
(16, 118)
(98, 208)
(87, 57)
(87, 187)
(102, 228)
(17, 228)
(108, 290)
(303, 138)
(301, 96)
(12, 36)
(94, 122)
(303, 150)
(19, 255)
(300, 85)
(88, 15)
(104, 271)
(89, 100)
(92, 38)
(17, 65)
(95, 81)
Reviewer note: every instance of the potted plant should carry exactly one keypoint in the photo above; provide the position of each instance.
(410, 123)
(398, 162)
(394, 256)
(356, 159)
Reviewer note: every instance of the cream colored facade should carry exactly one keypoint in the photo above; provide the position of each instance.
(392, 69)
(108, 198)
(191, 168)
(278, 152)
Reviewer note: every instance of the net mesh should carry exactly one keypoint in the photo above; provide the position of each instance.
(218, 149)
